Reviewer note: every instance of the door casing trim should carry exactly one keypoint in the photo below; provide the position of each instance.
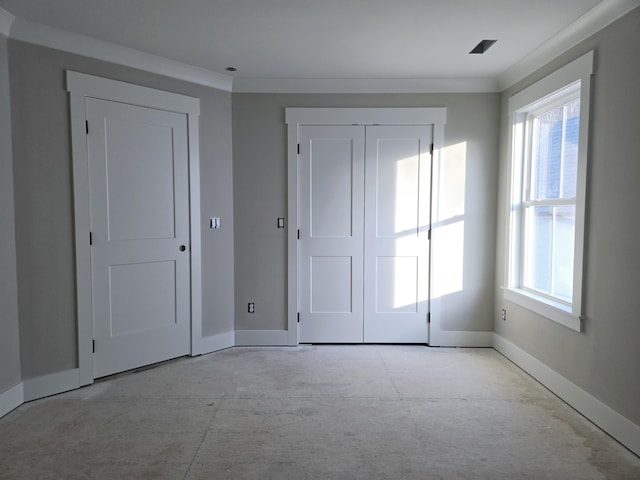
(296, 117)
(80, 86)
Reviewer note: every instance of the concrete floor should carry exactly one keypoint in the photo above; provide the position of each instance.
(312, 412)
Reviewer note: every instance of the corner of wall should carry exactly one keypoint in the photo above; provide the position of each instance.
(10, 367)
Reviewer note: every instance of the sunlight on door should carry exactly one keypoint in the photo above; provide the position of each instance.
(406, 294)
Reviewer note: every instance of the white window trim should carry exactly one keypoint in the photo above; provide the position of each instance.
(579, 70)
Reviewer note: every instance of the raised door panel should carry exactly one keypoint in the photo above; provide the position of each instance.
(331, 233)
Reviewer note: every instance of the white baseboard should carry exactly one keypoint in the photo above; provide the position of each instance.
(464, 339)
(616, 425)
(51, 384)
(217, 342)
(254, 338)
(11, 399)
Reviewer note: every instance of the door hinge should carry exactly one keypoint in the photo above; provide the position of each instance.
(428, 317)
(298, 149)
(298, 234)
(431, 151)
(298, 317)
(429, 234)
(90, 238)
(86, 123)
(94, 346)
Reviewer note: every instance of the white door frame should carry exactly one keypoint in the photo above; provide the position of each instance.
(81, 86)
(294, 118)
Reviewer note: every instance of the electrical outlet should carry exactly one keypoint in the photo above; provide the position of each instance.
(251, 308)
(503, 315)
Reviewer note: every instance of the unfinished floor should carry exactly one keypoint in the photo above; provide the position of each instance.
(312, 412)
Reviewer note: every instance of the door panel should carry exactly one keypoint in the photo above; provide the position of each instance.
(138, 167)
(396, 249)
(136, 212)
(331, 229)
(142, 297)
(331, 280)
(331, 187)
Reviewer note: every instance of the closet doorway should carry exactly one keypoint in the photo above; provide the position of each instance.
(363, 194)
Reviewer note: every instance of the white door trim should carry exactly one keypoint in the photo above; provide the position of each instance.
(295, 117)
(80, 86)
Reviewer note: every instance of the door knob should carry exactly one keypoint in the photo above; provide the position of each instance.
(182, 248)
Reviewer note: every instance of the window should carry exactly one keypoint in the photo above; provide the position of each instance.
(547, 204)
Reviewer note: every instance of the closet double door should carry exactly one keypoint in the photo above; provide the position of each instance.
(364, 218)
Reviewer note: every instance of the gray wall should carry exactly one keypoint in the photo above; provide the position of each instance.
(44, 204)
(260, 196)
(604, 359)
(9, 339)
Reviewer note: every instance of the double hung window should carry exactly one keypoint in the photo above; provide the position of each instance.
(548, 188)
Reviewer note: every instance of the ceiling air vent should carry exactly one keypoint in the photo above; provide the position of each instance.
(483, 46)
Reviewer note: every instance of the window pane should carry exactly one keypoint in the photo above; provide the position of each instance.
(555, 152)
(549, 246)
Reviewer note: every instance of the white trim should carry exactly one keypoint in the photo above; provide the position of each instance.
(214, 343)
(365, 116)
(603, 14)
(435, 302)
(80, 87)
(464, 339)
(293, 254)
(365, 85)
(254, 338)
(616, 425)
(11, 399)
(545, 307)
(117, 91)
(6, 20)
(82, 222)
(579, 69)
(195, 235)
(576, 73)
(57, 39)
(51, 384)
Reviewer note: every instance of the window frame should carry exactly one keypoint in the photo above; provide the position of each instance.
(555, 89)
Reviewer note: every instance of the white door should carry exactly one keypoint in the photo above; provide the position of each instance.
(138, 167)
(397, 221)
(364, 233)
(331, 233)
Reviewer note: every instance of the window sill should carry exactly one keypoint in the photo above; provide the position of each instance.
(554, 311)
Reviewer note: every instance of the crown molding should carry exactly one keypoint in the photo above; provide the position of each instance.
(39, 34)
(588, 24)
(6, 20)
(596, 19)
(365, 85)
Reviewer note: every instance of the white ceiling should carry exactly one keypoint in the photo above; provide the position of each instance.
(326, 39)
